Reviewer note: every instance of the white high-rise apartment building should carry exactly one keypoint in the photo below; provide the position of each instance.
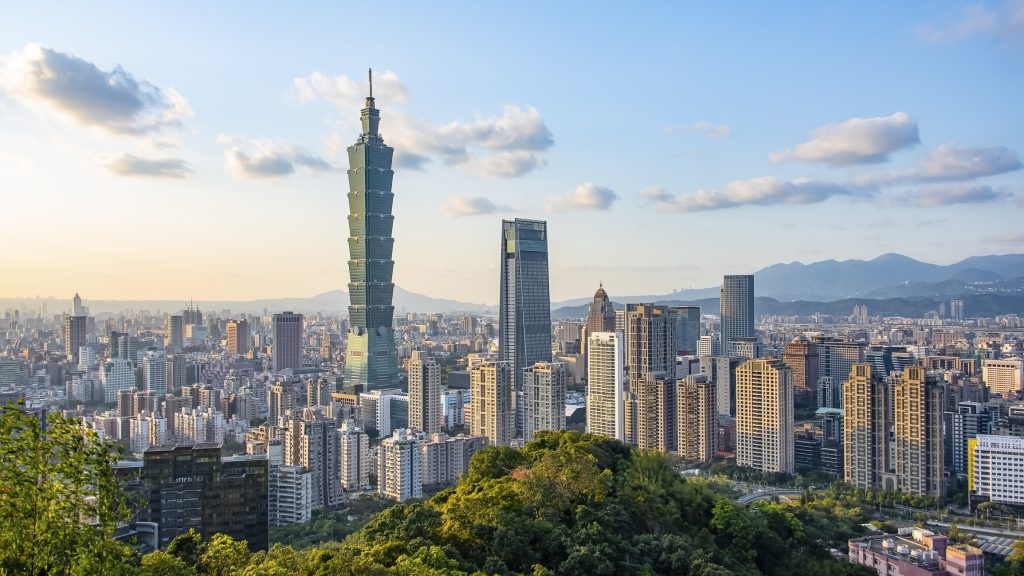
(424, 393)
(996, 468)
(353, 457)
(289, 487)
(1004, 377)
(605, 382)
(311, 441)
(154, 372)
(764, 416)
(544, 386)
(117, 374)
(198, 426)
(146, 430)
(399, 469)
(491, 412)
(445, 459)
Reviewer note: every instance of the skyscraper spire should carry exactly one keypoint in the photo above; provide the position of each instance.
(370, 116)
(371, 82)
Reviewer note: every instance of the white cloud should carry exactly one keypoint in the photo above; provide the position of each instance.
(957, 194)
(131, 165)
(348, 93)
(268, 159)
(588, 196)
(459, 206)
(507, 145)
(52, 81)
(950, 163)
(763, 191)
(974, 19)
(956, 162)
(710, 130)
(856, 141)
(655, 194)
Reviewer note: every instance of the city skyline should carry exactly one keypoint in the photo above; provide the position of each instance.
(870, 159)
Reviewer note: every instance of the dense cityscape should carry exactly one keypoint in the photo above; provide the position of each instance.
(849, 417)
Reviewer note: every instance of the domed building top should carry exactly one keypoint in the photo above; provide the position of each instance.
(601, 314)
(600, 294)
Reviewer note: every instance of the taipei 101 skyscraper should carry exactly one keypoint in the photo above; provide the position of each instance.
(371, 358)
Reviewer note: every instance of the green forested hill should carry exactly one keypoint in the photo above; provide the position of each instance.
(567, 504)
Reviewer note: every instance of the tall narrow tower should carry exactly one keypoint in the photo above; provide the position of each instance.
(371, 358)
(524, 315)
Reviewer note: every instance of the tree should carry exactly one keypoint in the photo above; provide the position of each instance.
(60, 500)
(163, 564)
(223, 556)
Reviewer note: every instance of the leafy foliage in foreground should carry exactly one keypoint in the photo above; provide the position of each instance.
(568, 503)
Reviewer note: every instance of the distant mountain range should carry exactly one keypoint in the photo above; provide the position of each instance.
(888, 276)
(334, 301)
(980, 305)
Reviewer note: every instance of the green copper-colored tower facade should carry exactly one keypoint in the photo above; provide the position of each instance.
(371, 359)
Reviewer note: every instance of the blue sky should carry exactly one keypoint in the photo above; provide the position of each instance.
(666, 143)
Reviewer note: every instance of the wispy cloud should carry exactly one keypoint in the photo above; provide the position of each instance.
(973, 19)
(264, 158)
(655, 194)
(508, 145)
(1009, 239)
(459, 206)
(716, 131)
(764, 191)
(955, 194)
(131, 165)
(855, 141)
(56, 82)
(586, 197)
(950, 163)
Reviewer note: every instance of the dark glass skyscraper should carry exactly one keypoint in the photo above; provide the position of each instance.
(524, 317)
(371, 358)
(737, 311)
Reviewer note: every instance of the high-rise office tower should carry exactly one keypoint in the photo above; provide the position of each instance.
(490, 412)
(802, 358)
(424, 393)
(74, 336)
(399, 468)
(154, 371)
(888, 359)
(194, 487)
(721, 370)
(920, 399)
(837, 357)
(650, 340)
(864, 428)
(764, 415)
(113, 343)
(76, 306)
(311, 441)
(192, 315)
(287, 349)
(239, 337)
(524, 313)
(1004, 377)
(353, 457)
(601, 314)
(544, 386)
(737, 310)
(175, 339)
(372, 360)
(697, 418)
(176, 368)
(687, 320)
(606, 371)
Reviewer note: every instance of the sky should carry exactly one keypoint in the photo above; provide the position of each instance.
(188, 150)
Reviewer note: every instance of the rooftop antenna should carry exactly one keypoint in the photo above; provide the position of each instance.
(371, 82)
